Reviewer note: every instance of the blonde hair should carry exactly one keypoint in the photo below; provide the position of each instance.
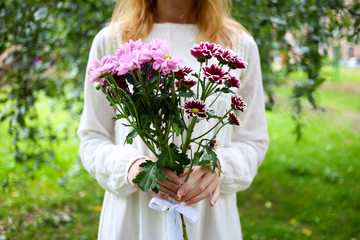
(134, 19)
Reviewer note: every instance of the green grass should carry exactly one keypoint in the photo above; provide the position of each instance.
(304, 190)
(59, 201)
(309, 189)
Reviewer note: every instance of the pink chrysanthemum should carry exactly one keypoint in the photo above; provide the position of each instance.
(233, 119)
(204, 50)
(156, 44)
(128, 62)
(183, 72)
(187, 82)
(233, 82)
(98, 69)
(148, 51)
(215, 74)
(164, 62)
(230, 58)
(130, 46)
(238, 103)
(195, 108)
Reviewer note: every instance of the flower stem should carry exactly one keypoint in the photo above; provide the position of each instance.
(188, 134)
(184, 227)
(215, 99)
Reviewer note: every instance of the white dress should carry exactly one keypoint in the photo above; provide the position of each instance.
(125, 213)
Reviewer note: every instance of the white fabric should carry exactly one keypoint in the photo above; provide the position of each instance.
(125, 213)
(174, 223)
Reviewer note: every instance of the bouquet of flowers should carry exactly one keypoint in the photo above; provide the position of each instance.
(161, 100)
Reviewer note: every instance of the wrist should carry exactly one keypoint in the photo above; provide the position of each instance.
(134, 170)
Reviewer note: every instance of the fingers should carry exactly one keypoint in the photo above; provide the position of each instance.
(215, 196)
(200, 187)
(204, 194)
(134, 170)
(160, 194)
(168, 191)
(195, 175)
(171, 176)
(202, 183)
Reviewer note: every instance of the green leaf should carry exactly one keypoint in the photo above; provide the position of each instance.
(197, 157)
(129, 138)
(209, 159)
(186, 94)
(146, 179)
(119, 116)
(173, 159)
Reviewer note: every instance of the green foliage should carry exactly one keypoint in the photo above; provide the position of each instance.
(44, 47)
(147, 178)
(173, 159)
(298, 31)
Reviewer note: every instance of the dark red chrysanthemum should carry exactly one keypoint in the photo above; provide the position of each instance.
(231, 59)
(204, 51)
(238, 103)
(233, 119)
(215, 74)
(195, 108)
(237, 62)
(233, 82)
(184, 71)
(187, 82)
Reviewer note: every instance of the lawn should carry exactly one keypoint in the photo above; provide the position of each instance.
(309, 189)
(304, 190)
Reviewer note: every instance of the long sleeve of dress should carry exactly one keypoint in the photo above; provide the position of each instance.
(107, 162)
(243, 152)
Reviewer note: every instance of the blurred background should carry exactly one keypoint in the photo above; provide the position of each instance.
(308, 186)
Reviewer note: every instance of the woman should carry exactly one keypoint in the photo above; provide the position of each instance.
(125, 213)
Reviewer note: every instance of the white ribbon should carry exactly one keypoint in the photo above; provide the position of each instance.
(174, 225)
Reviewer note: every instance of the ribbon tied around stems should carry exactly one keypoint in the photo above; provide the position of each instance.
(174, 224)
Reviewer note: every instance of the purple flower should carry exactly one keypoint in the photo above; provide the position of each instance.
(233, 82)
(213, 144)
(195, 108)
(233, 119)
(215, 74)
(204, 51)
(38, 59)
(230, 58)
(187, 82)
(98, 69)
(238, 103)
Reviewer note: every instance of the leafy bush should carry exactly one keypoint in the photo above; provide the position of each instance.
(44, 47)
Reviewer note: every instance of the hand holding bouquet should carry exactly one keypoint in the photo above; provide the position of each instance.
(161, 101)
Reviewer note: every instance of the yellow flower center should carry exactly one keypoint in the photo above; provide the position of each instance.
(167, 57)
(195, 110)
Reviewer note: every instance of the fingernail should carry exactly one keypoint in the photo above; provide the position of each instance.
(179, 194)
(188, 203)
